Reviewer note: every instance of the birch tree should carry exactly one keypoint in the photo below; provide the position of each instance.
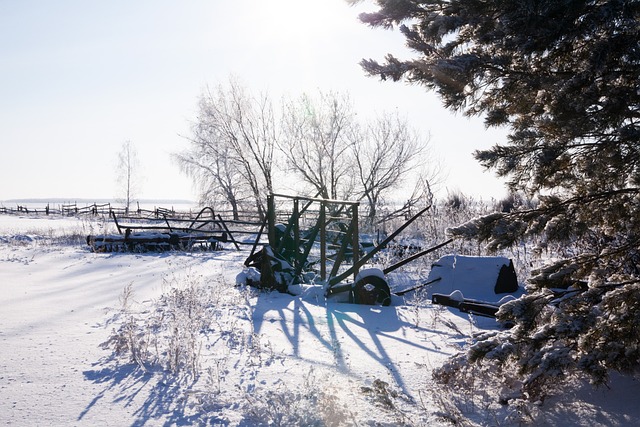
(128, 174)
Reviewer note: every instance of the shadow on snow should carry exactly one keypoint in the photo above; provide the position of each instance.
(124, 384)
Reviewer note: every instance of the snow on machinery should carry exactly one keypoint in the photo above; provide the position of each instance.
(311, 242)
(164, 232)
(316, 241)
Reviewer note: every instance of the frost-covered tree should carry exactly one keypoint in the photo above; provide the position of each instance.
(214, 173)
(315, 141)
(237, 136)
(385, 151)
(564, 77)
(231, 154)
(128, 174)
(342, 157)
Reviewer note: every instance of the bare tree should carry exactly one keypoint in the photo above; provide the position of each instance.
(341, 159)
(384, 152)
(128, 174)
(233, 146)
(213, 172)
(231, 155)
(315, 143)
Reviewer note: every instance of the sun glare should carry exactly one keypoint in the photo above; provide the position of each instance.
(292, 21)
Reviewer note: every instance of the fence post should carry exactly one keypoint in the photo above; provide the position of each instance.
(296, 228)
(323, 242)
(271, 220)
(355, 243)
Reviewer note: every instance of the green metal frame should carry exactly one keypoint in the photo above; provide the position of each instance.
(303, 246)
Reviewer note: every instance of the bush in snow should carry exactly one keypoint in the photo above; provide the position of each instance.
(130, 338)
(171, 335)
(312, 404)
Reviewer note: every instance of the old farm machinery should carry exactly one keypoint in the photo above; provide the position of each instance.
(164, 232)
(314, 240)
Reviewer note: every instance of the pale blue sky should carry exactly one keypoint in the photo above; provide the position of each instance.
(80, 77)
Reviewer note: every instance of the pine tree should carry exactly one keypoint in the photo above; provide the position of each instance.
(564, 77)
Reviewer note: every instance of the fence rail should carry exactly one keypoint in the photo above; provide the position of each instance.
(105, 209)
(60, 210)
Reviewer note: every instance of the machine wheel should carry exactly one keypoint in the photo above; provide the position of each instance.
(371, 289)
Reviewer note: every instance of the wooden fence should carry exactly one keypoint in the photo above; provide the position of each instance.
(106, 209)
(64, 210)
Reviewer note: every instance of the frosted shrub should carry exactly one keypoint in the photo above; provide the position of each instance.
(130, 338)
(171, 335)
(418, 301)
(464, 391)
(182, 315)
(312, 404)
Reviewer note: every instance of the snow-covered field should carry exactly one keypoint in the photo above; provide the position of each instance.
(198, 350)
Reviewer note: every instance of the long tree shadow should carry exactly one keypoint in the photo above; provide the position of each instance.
(164, 400)
(292, 316)
(380, 323)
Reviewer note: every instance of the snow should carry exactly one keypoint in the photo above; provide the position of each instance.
(467, 277)
(267, 358)
(372, 271)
